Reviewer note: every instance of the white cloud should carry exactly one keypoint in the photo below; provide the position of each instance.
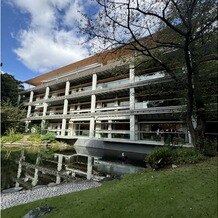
(46, 44)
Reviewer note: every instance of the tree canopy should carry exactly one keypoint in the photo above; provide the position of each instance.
(170, 33)
(10, 87)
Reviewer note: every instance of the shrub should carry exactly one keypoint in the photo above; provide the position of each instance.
(34, 137)
(187, 155)
(210, 147)
(49, 137)
(11, 136)
(160, 157)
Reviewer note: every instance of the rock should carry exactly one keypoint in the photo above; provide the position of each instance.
(38, 212)
(38, 186)
(174, 166)
(52, 184)
(12, 190)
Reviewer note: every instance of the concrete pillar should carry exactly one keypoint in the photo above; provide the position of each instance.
(35, 179)
(189, 137)
(132, 127)
(67, 88)
(94, 81)
(92, 128)
(93, 97)
(132, 98)
(93, 103)
(89, 167)
(47, 90)
(65, 109)
(131, 73)
(18, 99)
(132, 90)
(19, 171)
(30, 101)
(60, 162)
(45, 106)
(98, 127)
(59, 168)
(63, 127)
(109, 129)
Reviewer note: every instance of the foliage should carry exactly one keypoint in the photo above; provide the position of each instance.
(10, 87)
(164, 156)
(184, 192)
(11, 136)
(35, 128)
(11, 117)
(161, 157)
(34, 137)
(8, 168)
(49, 137)
(46, 153)
(210, 147)
(187, 156)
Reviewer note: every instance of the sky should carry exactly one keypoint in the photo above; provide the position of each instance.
(38, 36)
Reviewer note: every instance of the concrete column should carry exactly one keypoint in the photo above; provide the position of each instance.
(31, 96)
(93, 103)
(98, 127)
(63, 127)
(132, 98)
(132, 90)
(132, 127)
(45, 106)
(18, 99)
(67, 88)
(93, 97)
(65, 109)
(109, 129)
(92, 128)
(60, 162)
(131, 73)
(47, 90)
(30, 101)
(89, 167)
(94, 81)
(22, 158)
(59, 168)
(64, 122)
(189, 137)
(35, 179)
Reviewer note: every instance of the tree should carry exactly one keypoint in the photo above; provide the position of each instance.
(168, 33)
(12, 118)
(10, 87)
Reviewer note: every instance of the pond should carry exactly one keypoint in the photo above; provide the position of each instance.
(27, 169)
(20, 165)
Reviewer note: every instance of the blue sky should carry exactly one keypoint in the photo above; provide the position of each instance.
(41, 35)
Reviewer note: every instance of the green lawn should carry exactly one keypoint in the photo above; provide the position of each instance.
(189, 191)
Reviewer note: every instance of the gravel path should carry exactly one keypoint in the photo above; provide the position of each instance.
(12, 199)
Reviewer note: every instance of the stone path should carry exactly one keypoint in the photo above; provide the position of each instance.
(12, 199)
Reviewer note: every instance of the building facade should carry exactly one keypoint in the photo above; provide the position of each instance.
(109, 104)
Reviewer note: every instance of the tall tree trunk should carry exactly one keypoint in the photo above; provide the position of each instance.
(190, 92)
(200, 112)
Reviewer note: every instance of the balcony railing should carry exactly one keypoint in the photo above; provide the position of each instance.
(164, 138)
(110, 87)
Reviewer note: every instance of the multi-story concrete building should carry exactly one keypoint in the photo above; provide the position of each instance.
(105, 105)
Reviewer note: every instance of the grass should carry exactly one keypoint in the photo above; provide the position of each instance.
(188, 191)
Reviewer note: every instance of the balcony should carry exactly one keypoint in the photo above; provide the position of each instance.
(108, 87)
